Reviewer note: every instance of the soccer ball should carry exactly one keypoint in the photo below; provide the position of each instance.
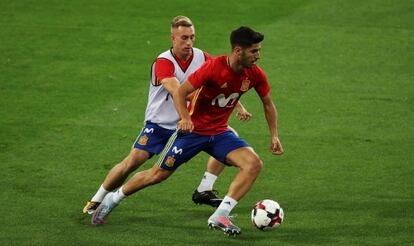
(267, 215)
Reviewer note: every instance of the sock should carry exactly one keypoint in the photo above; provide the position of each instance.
(226, 206)
(207, 182)
(100, 194)
(118, 196)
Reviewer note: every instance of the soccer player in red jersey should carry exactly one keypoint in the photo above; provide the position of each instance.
(170, 69)
(217, 87)
(219, 84)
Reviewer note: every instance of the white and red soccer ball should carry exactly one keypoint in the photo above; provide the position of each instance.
(267, 215)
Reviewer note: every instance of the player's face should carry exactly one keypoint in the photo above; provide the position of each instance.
(250, 55)
(183, 39)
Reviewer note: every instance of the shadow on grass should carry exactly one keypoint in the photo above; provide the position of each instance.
(188, 224)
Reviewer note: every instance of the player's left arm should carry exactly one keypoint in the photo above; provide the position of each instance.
(271, 118)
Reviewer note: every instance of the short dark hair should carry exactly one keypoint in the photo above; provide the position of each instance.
(245, 37)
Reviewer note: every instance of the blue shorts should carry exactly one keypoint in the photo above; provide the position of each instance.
(181, 147)
(153, 138)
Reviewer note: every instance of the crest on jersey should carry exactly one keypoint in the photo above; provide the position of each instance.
(245, 84)
(170, 161)
(143, 140)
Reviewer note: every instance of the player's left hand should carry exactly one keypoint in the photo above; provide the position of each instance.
(276, 147)
(243, 115)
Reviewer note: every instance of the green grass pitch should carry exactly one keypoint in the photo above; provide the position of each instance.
(74, 83)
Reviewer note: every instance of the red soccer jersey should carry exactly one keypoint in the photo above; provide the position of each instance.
(218, 91)
(164, 68)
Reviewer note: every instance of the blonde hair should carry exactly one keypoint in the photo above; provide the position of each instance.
(180, 21)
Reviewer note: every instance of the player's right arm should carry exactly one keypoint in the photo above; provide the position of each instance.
(195, 81)
(170, 84)
(180, 95)
(164, 73)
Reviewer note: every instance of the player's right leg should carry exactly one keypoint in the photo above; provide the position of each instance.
(139, 181)
(116, 177)
(120, 172)
(150, 141)
(179, 149)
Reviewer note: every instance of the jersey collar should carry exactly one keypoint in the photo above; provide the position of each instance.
(183, 64)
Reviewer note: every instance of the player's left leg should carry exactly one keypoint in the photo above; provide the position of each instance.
(249, 166)
(205, 194)
(231, 149)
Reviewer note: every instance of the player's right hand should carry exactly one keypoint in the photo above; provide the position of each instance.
(185, 125)
(244, 115)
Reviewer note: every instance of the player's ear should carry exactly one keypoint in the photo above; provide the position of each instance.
(237, 50)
